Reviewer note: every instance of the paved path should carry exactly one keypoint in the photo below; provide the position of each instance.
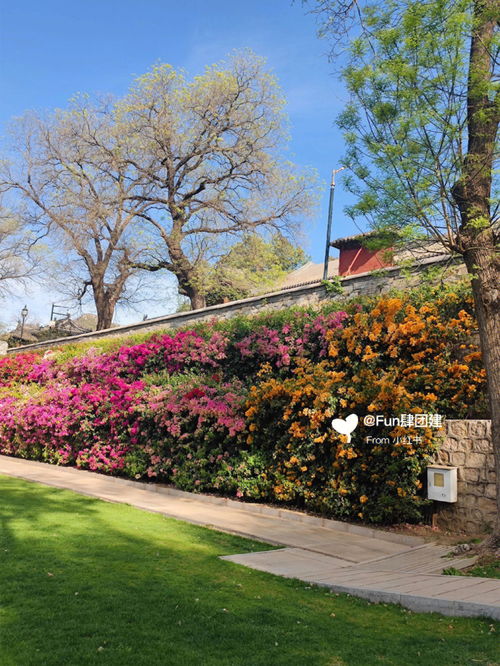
(373, 564)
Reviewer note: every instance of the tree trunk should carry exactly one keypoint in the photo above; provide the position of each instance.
(482, 264)
(197, 299)
(185, 272)
(105, 308)
(477, 235)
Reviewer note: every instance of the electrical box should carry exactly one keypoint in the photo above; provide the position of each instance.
(442, 483)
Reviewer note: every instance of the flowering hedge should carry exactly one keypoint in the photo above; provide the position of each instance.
(244, 408)
(393, 359)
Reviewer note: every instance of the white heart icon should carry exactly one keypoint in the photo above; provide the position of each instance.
(346, 426)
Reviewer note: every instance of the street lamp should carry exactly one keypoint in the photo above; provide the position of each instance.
(24, 314)
(329, 226)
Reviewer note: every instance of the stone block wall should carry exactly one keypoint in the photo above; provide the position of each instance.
(363, 284)
(468, 446)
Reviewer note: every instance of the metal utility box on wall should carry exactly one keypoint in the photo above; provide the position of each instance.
(442, 483)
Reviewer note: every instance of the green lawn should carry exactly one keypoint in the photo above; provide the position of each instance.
(89, 582)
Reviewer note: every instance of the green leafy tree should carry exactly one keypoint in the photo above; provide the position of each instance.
(421, 132)
(253, 265)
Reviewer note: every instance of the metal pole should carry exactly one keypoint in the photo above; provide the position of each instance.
(329, 225)
(24, 314)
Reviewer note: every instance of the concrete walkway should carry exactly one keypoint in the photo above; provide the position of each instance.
(369, 563)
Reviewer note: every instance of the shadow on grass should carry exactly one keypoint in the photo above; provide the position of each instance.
(90, 582)
(31, 504)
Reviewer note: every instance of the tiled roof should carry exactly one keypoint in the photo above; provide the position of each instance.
(340, 242)
(307, 273)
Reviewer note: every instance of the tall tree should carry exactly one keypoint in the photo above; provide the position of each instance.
(421, 132)
(211, 152)
(69, 180)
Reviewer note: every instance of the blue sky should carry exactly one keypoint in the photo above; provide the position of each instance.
(53, 49)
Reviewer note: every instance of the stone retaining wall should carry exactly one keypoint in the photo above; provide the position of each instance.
(371, 283)
(468, 446)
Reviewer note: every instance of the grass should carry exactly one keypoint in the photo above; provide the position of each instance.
(85, 582)
(486, 566)
(486, 569)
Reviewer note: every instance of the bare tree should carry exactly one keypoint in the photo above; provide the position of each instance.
(160, 179)
(68, 177)
(18, 262)
(209, 155)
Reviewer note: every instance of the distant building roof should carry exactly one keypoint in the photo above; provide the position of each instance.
(27, 336)
(308, 273)
(86, 322)
(352, 240)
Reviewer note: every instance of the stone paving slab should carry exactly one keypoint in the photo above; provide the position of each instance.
(291, 562)
(429, 558)
(368, 563)
(449, 595)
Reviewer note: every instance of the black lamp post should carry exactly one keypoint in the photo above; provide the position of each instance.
(24, 314)
(329, 226)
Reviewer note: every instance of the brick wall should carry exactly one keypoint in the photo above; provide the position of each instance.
(468, 446)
